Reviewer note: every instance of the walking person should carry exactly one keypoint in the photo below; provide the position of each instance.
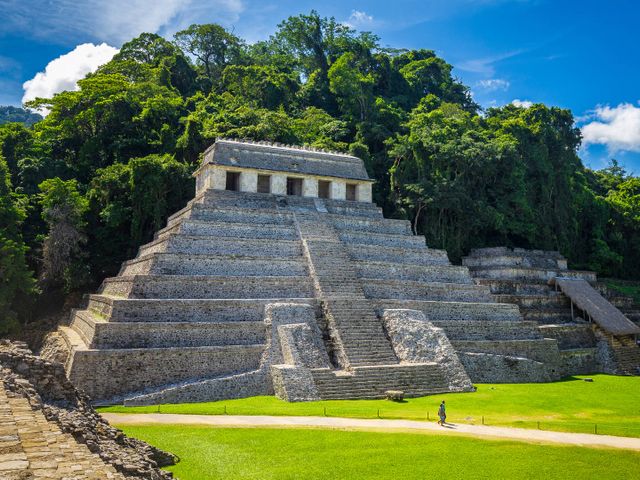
(442, 413)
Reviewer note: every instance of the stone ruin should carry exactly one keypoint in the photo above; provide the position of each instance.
(49, 430)
(594, 334)
(281, 276)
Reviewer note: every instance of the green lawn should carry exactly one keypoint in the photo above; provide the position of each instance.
(613, 403)
(257, 453)
(626, 287)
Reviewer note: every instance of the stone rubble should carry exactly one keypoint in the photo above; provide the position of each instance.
(49, 429)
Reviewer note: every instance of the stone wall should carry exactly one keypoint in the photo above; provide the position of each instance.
(492, 368)
(545, 351)
(144, 368)
(294, 347)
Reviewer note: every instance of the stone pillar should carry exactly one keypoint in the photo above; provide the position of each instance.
(217, 179)
(201, 179)
(338, 190)
(363, 192)
(310, 187)
(278, 184)
(248, 181)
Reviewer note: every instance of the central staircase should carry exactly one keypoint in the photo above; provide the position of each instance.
(359, 347)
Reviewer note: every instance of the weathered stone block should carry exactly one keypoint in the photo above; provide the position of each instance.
(416, 340)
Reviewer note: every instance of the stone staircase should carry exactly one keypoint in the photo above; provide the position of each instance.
(626, 354)
(33, 447)
(367, 363)
(371, 382)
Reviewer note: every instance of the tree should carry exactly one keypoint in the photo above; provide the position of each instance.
(148, 48)
(17, 286)
(352, 86)
(317, 42)
(63, 210)
(264, 86)
(212, 46)
(129, 202)
(460, 184)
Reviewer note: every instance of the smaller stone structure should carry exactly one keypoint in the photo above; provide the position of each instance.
(562, 303)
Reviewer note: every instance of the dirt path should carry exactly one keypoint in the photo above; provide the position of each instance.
(521, 434)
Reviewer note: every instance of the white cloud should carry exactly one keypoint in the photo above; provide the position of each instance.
(522, 103)
(113, 21)
(616, 127)
(63, 72)
(359, 19)
(493, 84)
(485, 66)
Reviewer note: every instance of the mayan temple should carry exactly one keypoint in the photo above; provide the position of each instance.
(282, 277)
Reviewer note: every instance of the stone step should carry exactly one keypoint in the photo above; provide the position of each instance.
(240, 385)
(351, 237)
(420, 273)
(515, 259)
(215, 265)
(551, 300)
(371, 382)
(410, 256)
(539, 350)
(140, 369)
(247, 200)
(515, 287)
(548, 316)
(360, 331)
(100, 334)
(185, 310)
(196, 286)
(455, 311)
(203, 244)
(570, 335)
(523, 273)
(263, 231)
(381, 225)
(206, 213)
(411, 290)
(34, 447)
(490, 330)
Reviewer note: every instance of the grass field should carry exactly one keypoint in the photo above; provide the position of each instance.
(628, 288)
(282, 454)
(573, 405)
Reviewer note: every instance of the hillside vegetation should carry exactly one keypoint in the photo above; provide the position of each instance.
(83, 188)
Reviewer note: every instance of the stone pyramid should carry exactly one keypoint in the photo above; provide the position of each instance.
(281, 276)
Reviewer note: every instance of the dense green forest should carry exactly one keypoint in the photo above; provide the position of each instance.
(81, 189)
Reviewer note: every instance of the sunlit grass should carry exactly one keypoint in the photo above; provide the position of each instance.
(610, 402)
(282, 454)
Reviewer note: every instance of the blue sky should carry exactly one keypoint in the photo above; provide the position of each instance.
(581, 55)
